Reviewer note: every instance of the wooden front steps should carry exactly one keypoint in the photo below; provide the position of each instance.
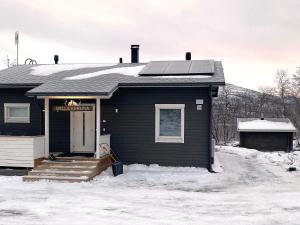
(69, 169)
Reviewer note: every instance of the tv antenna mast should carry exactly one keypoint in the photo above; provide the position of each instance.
(17, 44)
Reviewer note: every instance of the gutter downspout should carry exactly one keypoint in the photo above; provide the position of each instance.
(210, 156)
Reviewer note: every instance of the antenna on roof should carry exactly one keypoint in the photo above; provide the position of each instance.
(17, 44)
(30, 61)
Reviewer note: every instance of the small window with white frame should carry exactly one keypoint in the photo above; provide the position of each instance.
(17, 113)
(169, 123)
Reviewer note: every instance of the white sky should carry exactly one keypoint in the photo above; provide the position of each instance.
(253, 38)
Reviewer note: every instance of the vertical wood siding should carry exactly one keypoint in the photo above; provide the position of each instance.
(132, 129)
(267, 141)
(35, 127)
(59, 129)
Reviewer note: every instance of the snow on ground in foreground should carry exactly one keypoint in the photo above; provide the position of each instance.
(251, 190)
(283, 159)
(46, 70)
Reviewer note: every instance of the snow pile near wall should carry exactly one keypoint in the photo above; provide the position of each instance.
(128, 70)
(216, 166)
(296, 145)
(160, 177)
(46, 70)
(265, 125)
(282, 159)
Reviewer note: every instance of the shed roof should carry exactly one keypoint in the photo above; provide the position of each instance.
(97, 79)
(265, 125)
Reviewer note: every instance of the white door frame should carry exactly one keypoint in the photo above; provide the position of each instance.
(71, 131)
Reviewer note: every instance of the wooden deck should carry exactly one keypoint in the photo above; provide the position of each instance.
(69, 169)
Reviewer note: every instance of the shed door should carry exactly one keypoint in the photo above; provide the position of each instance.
(83, 131)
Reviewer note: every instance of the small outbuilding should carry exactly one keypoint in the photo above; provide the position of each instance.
(266, 134)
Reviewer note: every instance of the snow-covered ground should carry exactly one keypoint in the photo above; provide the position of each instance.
(253, 189)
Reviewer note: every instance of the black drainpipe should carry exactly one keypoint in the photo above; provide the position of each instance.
(210, 158)
(42, 116)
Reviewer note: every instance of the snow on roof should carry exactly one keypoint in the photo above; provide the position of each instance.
(129, 71)
(46, 70)
(267, 124)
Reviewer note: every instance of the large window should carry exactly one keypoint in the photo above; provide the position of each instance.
(17, 113)
(169, 123)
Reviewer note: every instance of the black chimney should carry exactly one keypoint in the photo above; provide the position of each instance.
(120, 60)
(135, 53)
(188, 56)
(56, 58)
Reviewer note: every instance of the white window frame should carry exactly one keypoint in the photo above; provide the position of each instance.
(168, 139)
(9, 119)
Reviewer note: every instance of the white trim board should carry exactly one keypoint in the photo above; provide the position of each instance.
(10, 119)
(168, 139)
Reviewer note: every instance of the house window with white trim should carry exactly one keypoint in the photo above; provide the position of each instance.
(17, 113)
(169, 123)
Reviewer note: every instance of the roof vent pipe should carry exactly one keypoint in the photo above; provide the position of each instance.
(262, 116)
(120, 60)
(135, 53)
(188, 56)
(56, 58)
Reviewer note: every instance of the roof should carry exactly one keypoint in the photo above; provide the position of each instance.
(97, 79)
(187, 67)
(265, 125)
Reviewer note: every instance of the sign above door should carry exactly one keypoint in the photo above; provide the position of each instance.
(72, 108)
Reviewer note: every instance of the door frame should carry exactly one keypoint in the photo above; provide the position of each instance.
(94, 128)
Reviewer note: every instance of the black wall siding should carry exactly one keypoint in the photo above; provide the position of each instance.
(35, 127)
(267, 141)
(133, 128)
(59, 129)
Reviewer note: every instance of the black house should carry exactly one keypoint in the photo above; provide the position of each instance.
(266, 134)
(156, 112)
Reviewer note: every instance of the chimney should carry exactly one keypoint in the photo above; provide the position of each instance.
(188, 56)
(135, 53)
(120, 60)
(56, 58)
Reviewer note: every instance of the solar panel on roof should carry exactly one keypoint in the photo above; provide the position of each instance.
(155, 68)
(181, 67)
(164, 68)
(202, 67)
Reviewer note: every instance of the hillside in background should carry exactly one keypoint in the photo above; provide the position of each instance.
(237, 102)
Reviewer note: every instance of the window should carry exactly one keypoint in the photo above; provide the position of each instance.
(169, 123)
(17, 113)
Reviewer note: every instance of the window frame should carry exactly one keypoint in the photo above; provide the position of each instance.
(10, 119)
(168, 139)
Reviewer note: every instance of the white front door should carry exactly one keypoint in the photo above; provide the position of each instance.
(83, 131)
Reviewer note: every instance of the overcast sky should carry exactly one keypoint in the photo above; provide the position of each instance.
(253, 38)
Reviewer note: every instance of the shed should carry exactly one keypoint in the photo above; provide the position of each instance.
(266, 134)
